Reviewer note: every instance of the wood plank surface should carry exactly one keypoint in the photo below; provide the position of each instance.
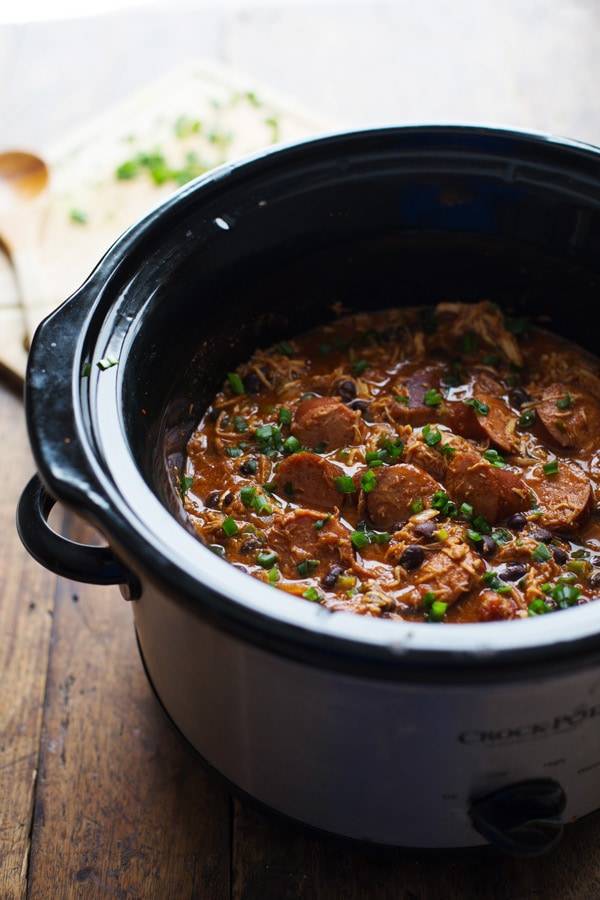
(273, 858)
(123, 809)
(26, 606)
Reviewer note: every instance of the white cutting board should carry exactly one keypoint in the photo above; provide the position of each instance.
(200, 108)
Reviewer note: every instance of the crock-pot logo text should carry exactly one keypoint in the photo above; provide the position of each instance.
(492, 737)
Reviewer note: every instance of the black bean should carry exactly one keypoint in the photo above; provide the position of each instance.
(212, 500)
(361, 405)
(249, 466)
(329, 580)
(425, 530)
(595, 560)
(595, 580)
(560, 555)
(517, 522)
(250, 544)
(346, 390)
(412, 557)
(542, 534)
(488, 545)
(252, 383)
(227, 499)
(239, 566)
(518, 396)
(513, 572)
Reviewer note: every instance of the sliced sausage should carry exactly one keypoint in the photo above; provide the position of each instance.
(295, 539)
(414, 386)
(389, 503)
(565, 498)
(433, 459)
(449, 576)
(325, 422)
(570, 415)
(308, 479)
(500, 423)
(493, 492)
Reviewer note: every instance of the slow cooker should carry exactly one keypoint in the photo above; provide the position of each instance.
(419, 735)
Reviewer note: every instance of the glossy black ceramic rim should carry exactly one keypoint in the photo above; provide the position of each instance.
(104, 484)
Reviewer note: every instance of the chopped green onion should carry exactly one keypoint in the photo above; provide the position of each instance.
(285, 416)
(480, 524)
(442, 501)
(240, 424)
(428, 598)
(501, 535)
(379, 537)
(264, 433)
(466, 510)
(285, 348)
(447, 450)
(78, 216)
(403, 399)
(368, 481)
(321, 523)
(526, 419)
(291, 445)
(431, 435)
(474, 536)
(360, 539)
(307, 567)
(273, 575)
(565, 595)
(235, 382)
(267, 559)
(185, 483)
(106, 363)
(494, 458)
(86, 370)
(579, 566)
(565, 402)
(416, 506)
(541, 553)
(127, 170)
(345, 484)
(537, 607)
(551, 468)
(432, 397)
(250, 467)
(359, 366)
(312, 594)
(262, 506)
(233, 452)
(437, 611)
(247, 495)
(441, 534)
(230, 526)
(481, 408)
(494, 582)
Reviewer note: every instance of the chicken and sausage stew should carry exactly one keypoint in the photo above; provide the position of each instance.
(425, 464)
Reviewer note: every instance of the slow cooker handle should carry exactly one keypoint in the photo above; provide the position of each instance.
(80, 562)
(523, 819)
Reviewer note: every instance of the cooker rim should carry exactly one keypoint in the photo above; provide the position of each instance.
(212, 586)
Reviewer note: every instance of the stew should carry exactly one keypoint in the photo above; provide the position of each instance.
(425, 464)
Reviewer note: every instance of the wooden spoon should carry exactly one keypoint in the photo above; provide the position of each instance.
(24, 178)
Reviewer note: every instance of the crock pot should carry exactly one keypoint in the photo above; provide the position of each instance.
(422, 735)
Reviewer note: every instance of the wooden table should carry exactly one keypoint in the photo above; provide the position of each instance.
(99, 797)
